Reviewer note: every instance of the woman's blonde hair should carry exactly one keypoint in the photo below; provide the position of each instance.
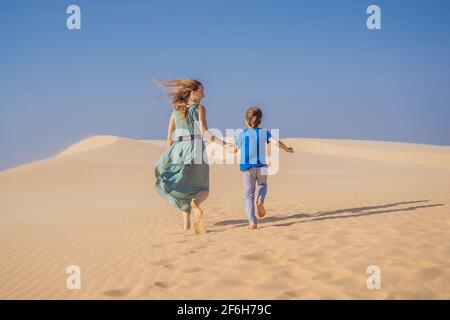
(179, 91)
(253, 117)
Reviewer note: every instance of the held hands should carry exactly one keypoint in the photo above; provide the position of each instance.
(231, 148)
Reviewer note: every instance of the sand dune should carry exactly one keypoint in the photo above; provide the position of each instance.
(89, 144)
(335, 207)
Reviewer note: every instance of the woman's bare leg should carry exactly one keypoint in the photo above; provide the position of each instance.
(186, 220)
(200, 197)
(195, 203)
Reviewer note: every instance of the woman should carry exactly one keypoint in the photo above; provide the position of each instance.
(182, 174)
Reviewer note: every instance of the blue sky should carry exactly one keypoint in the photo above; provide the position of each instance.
(312, 66)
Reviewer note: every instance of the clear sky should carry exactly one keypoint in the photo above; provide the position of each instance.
(312, 66)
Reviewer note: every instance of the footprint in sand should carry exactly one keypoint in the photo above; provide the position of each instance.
(291, 237)
(195, 249)
(189, 252)
(294, 294)
(165, 284)
(324, 277)
(288, 274)
(165, 262)
(265, 257)
(172, 266)
(117, 292)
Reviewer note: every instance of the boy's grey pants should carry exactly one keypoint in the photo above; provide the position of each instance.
(251, 177)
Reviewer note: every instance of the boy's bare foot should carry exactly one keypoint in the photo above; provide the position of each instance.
(253, 226)
(260, 211)
(197, 210)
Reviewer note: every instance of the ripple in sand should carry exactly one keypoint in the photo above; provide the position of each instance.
(431, 273)
(229, 282)
(193, 270)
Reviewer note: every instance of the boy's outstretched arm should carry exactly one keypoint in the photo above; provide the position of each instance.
(281, 145)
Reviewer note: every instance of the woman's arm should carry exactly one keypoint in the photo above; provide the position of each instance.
(170, 130)
(204, 126)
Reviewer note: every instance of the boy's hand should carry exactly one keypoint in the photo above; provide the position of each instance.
(284, 147)
(232, 148)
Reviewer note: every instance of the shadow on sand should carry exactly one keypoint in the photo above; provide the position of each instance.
(325, 215)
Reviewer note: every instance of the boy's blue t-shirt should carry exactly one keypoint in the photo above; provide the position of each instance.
(252, 142)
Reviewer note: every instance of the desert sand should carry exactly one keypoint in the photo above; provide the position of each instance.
(335, 208)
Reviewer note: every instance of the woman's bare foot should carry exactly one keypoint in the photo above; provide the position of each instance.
(253, 226)
(260, 211)
(197, 227)
(197, 210)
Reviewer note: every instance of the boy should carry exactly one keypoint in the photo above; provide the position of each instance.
(253, 166)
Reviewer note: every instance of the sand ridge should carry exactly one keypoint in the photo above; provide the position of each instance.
(89, 144)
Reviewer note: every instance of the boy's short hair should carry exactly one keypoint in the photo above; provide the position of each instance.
(253, 117)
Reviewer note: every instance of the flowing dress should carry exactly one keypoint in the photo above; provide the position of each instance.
(182, 170)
